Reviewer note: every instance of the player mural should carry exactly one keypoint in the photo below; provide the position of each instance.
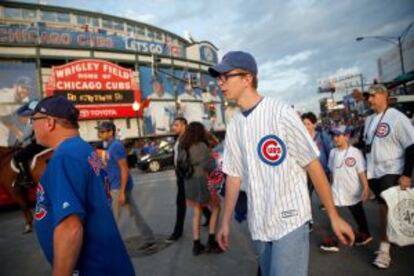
(213, 100)
(18, 85)
(159, 93)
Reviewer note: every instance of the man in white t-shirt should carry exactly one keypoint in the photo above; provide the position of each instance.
(10, 100)
(389, 140)
(269, 148)
(161, 108)
(349, 185)
(191, 105)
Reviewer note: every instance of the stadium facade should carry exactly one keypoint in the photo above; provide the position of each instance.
(109, 67)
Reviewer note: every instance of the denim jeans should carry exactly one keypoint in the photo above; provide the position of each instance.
(288, 256)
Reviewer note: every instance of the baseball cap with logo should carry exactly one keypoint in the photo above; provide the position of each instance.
(340, 130)
(234, 60)
(58, 106)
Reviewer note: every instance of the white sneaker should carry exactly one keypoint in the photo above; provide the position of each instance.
(382, 260)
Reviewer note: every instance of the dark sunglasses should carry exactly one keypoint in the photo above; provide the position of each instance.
(32, 119)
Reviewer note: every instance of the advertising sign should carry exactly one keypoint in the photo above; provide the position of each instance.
(99, 89)
(72, 39)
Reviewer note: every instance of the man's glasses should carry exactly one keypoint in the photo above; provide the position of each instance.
(32, 119)
(224, 77)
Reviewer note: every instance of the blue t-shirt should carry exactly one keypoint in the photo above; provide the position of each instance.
(74, 183)
(115, 152)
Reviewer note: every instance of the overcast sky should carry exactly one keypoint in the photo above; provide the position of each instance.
(295, 42)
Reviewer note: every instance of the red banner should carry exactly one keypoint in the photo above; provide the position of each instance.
(99, 89)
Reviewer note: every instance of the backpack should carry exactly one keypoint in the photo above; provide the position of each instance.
(184, 167)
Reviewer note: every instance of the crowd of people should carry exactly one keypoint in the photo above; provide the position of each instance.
(278, 158)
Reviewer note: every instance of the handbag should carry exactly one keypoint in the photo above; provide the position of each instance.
(400, 224)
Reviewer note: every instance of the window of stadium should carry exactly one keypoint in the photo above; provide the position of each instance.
(139, 30)
(107, 24)
(12, 13)
(63, 17)
(94, 21)
(119, 26)
(48, 16)
(81, 19)
(29, 14)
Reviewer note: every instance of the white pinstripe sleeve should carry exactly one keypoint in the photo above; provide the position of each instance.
(405, 131)
(360, 161)
(300, 145)
(232, 156)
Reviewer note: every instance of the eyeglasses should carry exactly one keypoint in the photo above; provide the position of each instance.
(224, 77)
(32, 119)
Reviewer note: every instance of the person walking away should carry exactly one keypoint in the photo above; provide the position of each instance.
(269, 148)
(389, 140)
(121, 183)
(349, 186)
(73, 219)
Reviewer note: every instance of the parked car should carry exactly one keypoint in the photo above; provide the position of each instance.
(156, 161)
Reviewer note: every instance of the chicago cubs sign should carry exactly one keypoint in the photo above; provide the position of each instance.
(271, 150)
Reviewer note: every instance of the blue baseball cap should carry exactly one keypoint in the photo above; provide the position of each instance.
(27, 109)
(58, 106)
(340, 130)
(234, 60)
(106, 125)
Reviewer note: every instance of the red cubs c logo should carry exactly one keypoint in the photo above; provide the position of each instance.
(271, 150)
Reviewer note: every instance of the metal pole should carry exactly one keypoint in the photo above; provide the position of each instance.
(401, 55)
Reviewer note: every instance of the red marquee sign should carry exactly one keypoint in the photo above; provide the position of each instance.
(100, 89)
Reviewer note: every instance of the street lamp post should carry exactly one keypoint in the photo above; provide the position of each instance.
(396, 40)
(136, 106)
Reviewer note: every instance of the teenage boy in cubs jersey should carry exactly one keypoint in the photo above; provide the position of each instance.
(269, 148)
(349, 185)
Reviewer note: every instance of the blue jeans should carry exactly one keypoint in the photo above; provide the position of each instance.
(287, 256)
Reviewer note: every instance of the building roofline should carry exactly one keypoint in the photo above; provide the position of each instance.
(84, 12)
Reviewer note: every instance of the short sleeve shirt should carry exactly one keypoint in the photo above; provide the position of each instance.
(74, 183)
(115, 152)
(269, 150)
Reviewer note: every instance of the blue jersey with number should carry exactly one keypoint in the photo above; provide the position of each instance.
(74, 184)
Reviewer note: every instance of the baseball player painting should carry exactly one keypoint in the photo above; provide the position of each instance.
(389, 140)
(269, 148)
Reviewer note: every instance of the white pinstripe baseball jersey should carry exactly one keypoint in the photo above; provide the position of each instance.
(268, 150)
(346, 165)
(393, 135)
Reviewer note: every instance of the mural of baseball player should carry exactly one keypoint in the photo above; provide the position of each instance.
(161, 109)
(191, 104)
(14, 92)
(214, 105)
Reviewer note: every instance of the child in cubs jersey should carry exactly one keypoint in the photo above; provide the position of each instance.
(349, 185)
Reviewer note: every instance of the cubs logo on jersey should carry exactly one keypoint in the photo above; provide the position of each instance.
(350, 162)
(383, 130)
(271, 150)
(40, 210)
